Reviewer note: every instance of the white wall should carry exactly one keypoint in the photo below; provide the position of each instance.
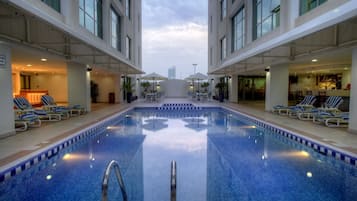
(6, 104)
(106, 85)
(56, 84)
(174, 88)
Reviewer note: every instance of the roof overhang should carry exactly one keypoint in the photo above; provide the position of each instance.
(24, 24)
(333, 30)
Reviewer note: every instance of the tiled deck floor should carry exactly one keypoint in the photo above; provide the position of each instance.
(15, 147)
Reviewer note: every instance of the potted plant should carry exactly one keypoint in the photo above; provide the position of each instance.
(205, 85)
(128, 88)
(220, 86)
(145, 85)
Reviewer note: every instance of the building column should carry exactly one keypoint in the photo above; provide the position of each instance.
(277, 86)
(106, 22)
(233, 88)
(7, 123)
(352, 125)
(70, 11)
(78, 85)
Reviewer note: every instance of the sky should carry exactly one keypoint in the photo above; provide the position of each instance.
(174, 34)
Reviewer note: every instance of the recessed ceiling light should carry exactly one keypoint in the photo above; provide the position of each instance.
(314, 60)
(43, 59)
(28, 65)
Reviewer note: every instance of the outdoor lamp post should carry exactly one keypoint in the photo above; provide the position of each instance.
(194, 68)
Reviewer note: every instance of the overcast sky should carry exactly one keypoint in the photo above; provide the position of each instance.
(174, 34)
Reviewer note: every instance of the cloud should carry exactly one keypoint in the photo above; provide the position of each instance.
(174, 34)
(179, 45)
(157, 13)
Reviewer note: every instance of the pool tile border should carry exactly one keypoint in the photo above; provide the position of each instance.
(319, 147)
(49, 152)
(52, 151)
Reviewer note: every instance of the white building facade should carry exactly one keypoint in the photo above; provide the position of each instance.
(296, 46)
(59, 46)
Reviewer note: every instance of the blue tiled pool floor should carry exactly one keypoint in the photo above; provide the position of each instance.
(22, 144)
(219, 157)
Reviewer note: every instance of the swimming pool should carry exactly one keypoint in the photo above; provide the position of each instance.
(220, 155)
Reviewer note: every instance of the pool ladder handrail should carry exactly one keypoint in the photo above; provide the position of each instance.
(113, 164)
(173, 181)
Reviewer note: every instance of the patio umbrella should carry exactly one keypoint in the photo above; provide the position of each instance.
(196, 124)
(155, 124)
(153, 76)
(197, 76)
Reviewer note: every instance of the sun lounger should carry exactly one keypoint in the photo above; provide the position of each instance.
(331, 105)
(23, 121)
(24, 107)
(306, 103)
(49, 104)
(332, 119)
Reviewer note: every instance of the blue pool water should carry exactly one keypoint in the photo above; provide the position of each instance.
(219, 157)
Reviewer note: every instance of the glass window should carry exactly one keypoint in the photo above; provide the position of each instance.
(307, 5)
(90, 16)
(115, 30)
(55, 4)
(127, 8)
(266, 16)
(223, 9)
(223, 48)
(238, 30)
(128, 47)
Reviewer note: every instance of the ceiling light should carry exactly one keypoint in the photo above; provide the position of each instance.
(28, 65)
(345, 68)
(314, 60)
(43, 59)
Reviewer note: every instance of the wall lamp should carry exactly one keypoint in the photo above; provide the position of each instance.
(267, 69)
(89, 68)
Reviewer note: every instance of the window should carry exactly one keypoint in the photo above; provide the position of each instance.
(128, 47)
(55, 4)
(90, 16)
(223, 9)
(307, 5)
(266, 16)
(127, 8)
(223, 48)
(238, 30)
(116, 42)
(210, 23)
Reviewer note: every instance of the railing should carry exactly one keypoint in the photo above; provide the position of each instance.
(173, 181)
(115, 165)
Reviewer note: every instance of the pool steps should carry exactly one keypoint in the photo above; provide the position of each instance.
(178, 106)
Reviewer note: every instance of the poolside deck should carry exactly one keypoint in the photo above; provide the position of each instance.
(22, 144)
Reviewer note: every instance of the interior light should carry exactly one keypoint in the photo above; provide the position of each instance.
(345, 68)
(28, 65)
(43, 59)
(314, 60)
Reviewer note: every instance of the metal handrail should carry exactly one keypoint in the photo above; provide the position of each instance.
(173, 181)
(113, 164)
